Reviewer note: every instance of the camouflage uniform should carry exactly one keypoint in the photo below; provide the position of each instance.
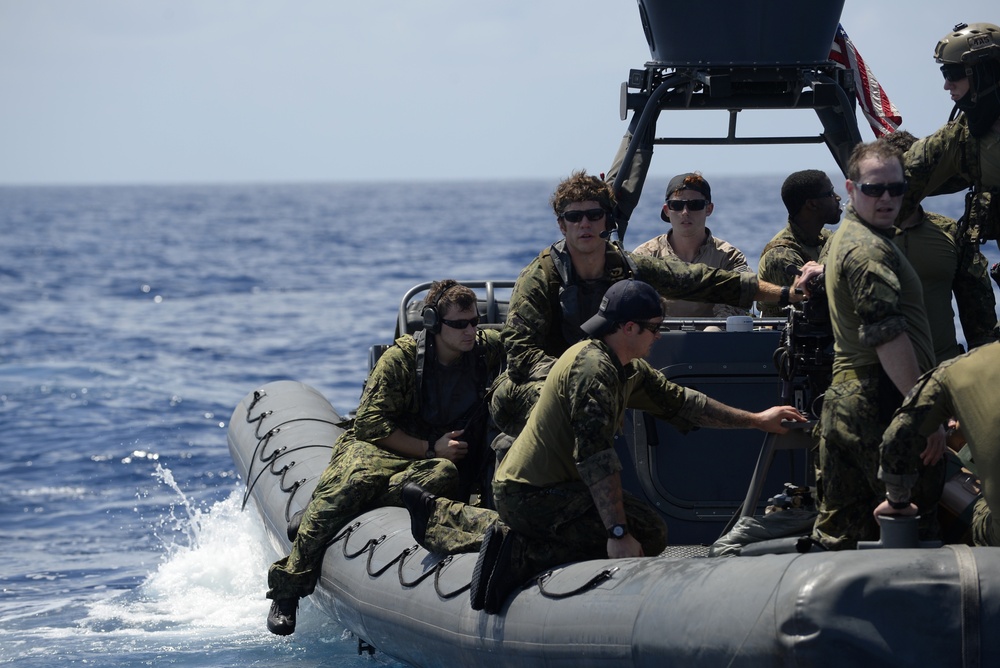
(964, 388)
(945, 267)
(540, 326)
(362, 476)
(874, 296)
(542, 487)
(951, 160)
(714, 253)
(787, 247)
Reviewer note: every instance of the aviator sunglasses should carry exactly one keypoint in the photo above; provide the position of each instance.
(876, 189)
(691, 204)
(593, 215)
(461, 324)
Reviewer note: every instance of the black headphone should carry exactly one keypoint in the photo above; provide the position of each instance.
(432, 321)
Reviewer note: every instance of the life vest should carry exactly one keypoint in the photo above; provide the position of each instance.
(563, 287)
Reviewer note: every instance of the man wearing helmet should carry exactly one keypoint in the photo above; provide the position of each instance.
(965, 152)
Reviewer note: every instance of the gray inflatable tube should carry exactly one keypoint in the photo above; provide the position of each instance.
(918, 607)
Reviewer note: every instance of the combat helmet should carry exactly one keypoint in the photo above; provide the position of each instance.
(973, 51)
(968, 44)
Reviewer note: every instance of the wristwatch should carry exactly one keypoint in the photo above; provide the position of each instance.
(617, 531)
(897, 505)
(431, 452)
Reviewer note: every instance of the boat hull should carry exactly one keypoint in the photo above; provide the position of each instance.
(893, 607)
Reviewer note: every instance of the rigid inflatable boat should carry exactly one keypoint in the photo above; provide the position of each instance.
(783, 607)
(886, 607)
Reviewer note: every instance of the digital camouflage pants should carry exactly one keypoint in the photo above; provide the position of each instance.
(561, 524)
(361, 476)
(855, 414)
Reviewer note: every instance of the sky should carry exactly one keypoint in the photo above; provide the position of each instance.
(234, 91)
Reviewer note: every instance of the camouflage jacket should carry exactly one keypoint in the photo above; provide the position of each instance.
(534, 334)
(570, 432)
(787, 247)
(714, 252)
(391, 400)
(963, 388)
(874, 296)
(947, 267)
(950, 160)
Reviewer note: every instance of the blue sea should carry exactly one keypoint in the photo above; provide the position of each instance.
(134, 319)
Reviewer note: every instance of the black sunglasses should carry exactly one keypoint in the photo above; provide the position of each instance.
(651, 327)
(876, 189)
(831, 193)
(461, 324)
(691, 204)
(593, 215)
(953, 72)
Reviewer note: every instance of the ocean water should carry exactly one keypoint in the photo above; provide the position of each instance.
(134, 319)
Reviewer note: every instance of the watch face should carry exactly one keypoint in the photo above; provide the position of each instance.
(617, 531)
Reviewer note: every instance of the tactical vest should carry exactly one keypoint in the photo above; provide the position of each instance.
(563, 288)
(475, 421)
(981, 220)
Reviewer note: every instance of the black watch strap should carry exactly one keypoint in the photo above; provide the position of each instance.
(897, 505)
(431, 452)
(617, 531)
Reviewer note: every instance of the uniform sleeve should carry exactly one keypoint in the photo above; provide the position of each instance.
(772, 270)
(591, 407)
(496, 357)
(529, 318)
(388, 395)
(653, 393)
(697, 282)
(924, 409)
(933, 166)
(871, 274)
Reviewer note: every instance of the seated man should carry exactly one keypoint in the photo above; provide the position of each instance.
(964, 388)
(812, 203)
(687, 207)
(558, 491)
(563, 287)
(421, 418)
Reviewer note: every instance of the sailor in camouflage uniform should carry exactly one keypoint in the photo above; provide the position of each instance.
(422, 417)
(882, 343)
(561, 288)
(964, 388)
(558, 491)
(946, 265)
(965, 152)
(812, 204)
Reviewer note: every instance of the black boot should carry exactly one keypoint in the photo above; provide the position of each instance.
(420, 504)
(281, 618)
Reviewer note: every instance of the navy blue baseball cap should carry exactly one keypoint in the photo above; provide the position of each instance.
(625, 301)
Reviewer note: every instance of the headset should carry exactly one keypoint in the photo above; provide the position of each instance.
(430, 315)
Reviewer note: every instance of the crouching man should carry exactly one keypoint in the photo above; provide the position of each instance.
(963, 388)
(558, 492)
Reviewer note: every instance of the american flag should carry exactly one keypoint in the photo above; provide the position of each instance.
(882, 115)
